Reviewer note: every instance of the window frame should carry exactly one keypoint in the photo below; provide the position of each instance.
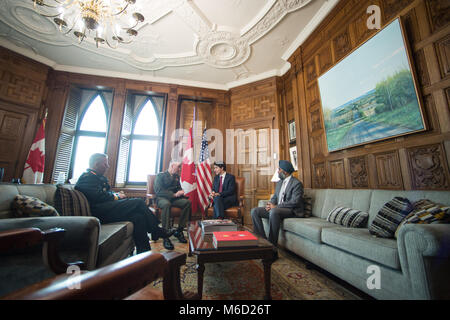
(159, 138)
(86, 133)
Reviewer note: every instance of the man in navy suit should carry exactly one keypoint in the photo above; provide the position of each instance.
(223, 190)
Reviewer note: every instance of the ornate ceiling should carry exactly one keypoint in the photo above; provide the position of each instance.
(208, 43)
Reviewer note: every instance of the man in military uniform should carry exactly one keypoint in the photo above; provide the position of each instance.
(169, 193)
(109, 206)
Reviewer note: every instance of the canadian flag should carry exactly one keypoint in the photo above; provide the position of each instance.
(188, 179)
(34, 166)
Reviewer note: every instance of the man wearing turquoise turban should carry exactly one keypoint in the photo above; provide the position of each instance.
(287, 202)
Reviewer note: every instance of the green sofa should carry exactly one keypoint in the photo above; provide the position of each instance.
(86, 240)
(414, 266)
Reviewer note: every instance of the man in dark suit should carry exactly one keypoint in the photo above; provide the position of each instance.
(287, 202)
(109, 206)
(223, 190)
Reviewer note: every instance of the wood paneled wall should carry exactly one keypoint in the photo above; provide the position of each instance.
(416, 161)
(255, 112)
(59, 86)
(22, 89)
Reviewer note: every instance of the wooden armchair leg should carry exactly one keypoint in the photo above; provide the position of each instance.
(18, 239)
(171, 284)
(50, 251)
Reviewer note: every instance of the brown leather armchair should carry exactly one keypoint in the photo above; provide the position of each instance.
(24, 238)
(126, 279)
(237, 212)
(151, 200)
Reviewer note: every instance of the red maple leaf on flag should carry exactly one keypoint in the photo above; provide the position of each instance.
(36, 160)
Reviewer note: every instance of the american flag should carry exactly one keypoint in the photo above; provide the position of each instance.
(204, 179)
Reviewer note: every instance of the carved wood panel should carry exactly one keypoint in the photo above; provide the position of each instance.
(422, 69)
(264, 105)
(443, 52)
(359, 174)
(319, 176)
(439, 13)
(255, 107)
(447, 94)
(316, 121)
(312, 95)
(21, 81)
(317, 147)
(392, 7)
(412, 27)
(388, 170)
(428, 167)
(18, 88)
(310, 69)
(241, 110)
(341, 45)
(325, 59)
(12, 132)
(430, 109)
(360, 27)
(337, 174)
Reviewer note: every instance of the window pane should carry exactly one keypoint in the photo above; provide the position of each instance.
(95, 117)
(147, 122)
(142, 160)
(86, 146)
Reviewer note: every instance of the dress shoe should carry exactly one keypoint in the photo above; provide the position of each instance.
(180, 236)
(167, 244)
(162, 233)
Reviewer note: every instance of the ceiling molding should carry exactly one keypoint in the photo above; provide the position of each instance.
(223, 47)
(310, 27)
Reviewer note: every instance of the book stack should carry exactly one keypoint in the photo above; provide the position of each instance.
(213, 225)
(229, 239)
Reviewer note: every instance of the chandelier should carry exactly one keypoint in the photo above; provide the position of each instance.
(105, 21)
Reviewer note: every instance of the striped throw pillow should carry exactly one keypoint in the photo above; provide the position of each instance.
(389, 217)
(348, 217)
(71, 202)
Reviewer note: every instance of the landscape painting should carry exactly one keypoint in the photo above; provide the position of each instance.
(371, 94)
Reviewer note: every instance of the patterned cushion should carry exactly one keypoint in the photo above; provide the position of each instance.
(307, 206)
(426, 212)
(348, 217)
(390, 216)
(26, 206)
(71, 202)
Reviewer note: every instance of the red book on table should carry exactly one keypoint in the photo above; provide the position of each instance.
(225, 239)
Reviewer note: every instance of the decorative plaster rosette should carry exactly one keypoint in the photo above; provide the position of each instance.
(215, 47)
(223, 49)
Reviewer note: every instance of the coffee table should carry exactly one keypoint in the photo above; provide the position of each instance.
(202, 247)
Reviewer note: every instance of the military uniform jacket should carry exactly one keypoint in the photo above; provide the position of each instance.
(166, 185)
(97, 191)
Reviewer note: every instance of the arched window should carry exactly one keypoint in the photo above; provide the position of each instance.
(145, 143)
(90, 135)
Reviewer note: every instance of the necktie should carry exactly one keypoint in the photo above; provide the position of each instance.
(282, 191)
(220, 184)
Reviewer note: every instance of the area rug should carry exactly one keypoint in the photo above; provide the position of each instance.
(244, 280)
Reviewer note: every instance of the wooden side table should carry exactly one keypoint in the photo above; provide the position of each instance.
(205, 252)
